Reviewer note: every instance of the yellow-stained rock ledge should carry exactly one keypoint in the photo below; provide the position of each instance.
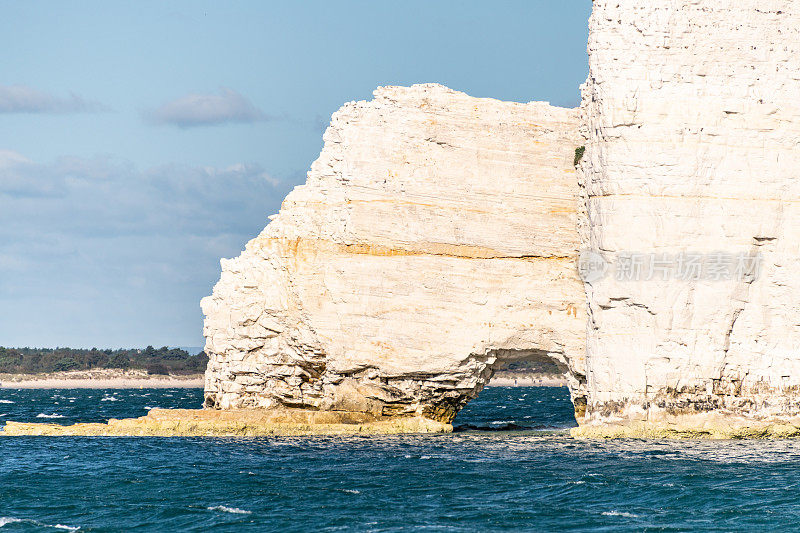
(235, 423)
(711, 425)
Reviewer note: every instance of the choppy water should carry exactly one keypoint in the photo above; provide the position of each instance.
(528, 479)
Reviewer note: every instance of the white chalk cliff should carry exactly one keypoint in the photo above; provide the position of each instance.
(434, 239)
(437, 233)
(692, 118)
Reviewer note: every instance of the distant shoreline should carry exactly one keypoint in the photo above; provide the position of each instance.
(100, 379)
(536, 380)
(138, 379)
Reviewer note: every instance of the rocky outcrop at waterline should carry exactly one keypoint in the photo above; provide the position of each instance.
(234, 423)
(434, 240)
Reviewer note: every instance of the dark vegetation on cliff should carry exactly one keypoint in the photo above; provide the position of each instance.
(578, 155)
(162, 360)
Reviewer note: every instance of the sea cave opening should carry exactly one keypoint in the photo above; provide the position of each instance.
(527, 391)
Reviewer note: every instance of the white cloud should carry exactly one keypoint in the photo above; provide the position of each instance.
(10, 158)
(96, 250)
(20, 177)
(85, 196)
(24, 99)
(207, 110)
(242, 169)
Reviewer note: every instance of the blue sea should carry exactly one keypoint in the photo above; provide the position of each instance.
(510, 466)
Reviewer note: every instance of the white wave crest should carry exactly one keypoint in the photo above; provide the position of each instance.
(6, 401)
(620, 513)
(5, 520)
(110, 399)
(225, 509)
(45, 415)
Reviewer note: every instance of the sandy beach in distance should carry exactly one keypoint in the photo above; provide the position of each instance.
(100, 379)
(535, 380)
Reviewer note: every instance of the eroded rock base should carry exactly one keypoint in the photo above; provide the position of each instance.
(301, 422)
(235, 423)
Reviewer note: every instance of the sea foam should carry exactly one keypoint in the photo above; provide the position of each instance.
(5, 520)
(225, 509)
(620, 513)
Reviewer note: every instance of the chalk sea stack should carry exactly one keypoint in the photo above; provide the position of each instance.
(434, 240)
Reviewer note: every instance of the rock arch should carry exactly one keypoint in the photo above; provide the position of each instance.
(435, 237)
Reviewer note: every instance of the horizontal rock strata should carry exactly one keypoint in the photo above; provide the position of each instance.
(693, 124)
(434, 239)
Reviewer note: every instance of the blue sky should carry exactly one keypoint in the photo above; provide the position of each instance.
(142, 141)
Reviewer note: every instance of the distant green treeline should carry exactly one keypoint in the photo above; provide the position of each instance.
(162, 360)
